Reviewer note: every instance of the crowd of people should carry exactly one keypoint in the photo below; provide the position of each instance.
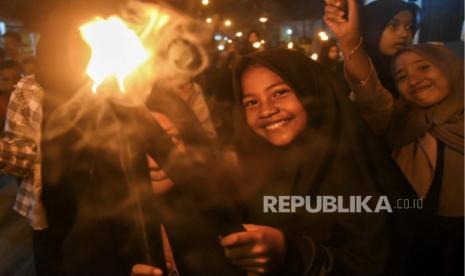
(177, 186)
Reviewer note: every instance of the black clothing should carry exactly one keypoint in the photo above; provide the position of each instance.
(336, 155)
(373, 20)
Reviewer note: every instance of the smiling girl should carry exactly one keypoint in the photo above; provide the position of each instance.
(298, 135)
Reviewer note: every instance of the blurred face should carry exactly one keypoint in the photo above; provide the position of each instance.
(11, 45)
(160, 181)
(419, 81)
(253, 37)
(397, 34)
(8, 79)
(333, 53)
(272, 109)
(29, 68)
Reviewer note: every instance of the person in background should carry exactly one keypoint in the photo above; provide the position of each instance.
(330, 58)
(424, 130)
(2, 54)
(10, 74)
(12, 43)
(251, 43)
(29, 66)
(382, 29)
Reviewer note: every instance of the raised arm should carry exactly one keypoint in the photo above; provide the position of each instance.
(372, 99)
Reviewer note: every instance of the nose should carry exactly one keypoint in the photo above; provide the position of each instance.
(413, 79)
(267, 109)
(403, 32)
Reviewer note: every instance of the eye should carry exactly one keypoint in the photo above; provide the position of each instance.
(281, 92)
(424, 67)
(400, 78)
(250, 103)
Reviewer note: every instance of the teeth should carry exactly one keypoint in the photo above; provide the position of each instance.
(276, 125)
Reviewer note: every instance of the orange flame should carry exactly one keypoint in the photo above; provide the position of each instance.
(117, 50)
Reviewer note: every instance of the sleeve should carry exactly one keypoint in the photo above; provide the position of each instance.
(358, 246)
(372, 99)
(18, 148)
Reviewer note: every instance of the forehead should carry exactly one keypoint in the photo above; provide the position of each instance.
(258, 76)
(407, 58)
(404, 16)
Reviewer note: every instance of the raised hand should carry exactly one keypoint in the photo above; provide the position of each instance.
(346, 28)
(259, 250)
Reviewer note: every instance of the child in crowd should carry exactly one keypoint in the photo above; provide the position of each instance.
(298, 135)
(385, 27)
(424, 129)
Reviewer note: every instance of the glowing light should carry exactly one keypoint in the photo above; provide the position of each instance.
(323, 36)
(257, 45)
(314, 56)
(230, 41)
(262, 41)
(209, 20)
(116, 50)
(205, 2)
(263, 19)
(218, 37)
(225, 38)
(227, 23)
(221, 47)
(289, 31)
(290, 45)
(239, 34)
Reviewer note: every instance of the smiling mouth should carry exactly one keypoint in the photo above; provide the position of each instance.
(420, 90)
(277, 125)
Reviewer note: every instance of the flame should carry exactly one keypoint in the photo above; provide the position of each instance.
(117, 50)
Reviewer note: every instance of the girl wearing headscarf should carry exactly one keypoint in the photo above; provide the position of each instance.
(299, 136)
(385, 27)
(426, 132)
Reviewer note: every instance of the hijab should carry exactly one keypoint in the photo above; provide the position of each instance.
(336, 154)
(373, 20)
(444, 121)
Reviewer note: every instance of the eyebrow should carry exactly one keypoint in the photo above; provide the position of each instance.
(414, 62)
(245, 95)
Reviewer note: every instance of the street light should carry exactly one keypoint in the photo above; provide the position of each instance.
(263, 19)
(205, 2)
(290, 45)
(314, 56)
(227, 23)
(289, 31)
(221, 47)
(239, 34)
(209, 20)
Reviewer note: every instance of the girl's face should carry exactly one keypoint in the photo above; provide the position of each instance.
(419, 81)
(333, 53)
(272, 109)
(397, 34)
